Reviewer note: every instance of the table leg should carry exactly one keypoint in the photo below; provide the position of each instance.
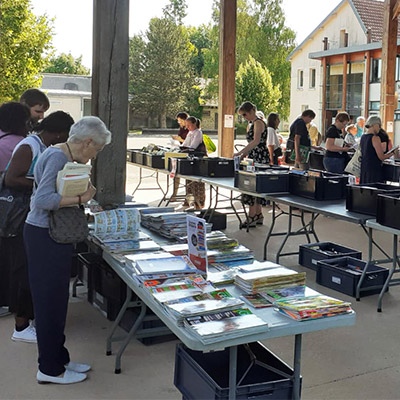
(234, 209)
(128, 338)
(391, 272)
(118, 320)
(164, 198)
(288, 233)
(140, 181)
(362, 277)
(306, 230)
(232, 372)
(296, 367)
(270, 230)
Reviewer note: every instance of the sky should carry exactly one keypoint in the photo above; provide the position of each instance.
(73, 19)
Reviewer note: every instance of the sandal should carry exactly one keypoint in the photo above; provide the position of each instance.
(250, 223)
(259, 219)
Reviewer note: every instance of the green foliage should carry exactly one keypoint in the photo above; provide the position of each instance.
(201, 39)
(66, 64)
(175, 10)
(161, 78)
(254, 83)
(24, 37)
(261, 33)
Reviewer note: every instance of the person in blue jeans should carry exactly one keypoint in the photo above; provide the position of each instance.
(336, 151)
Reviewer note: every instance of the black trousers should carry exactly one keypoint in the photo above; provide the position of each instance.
(49, 267)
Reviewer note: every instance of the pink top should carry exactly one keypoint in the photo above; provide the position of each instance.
(7, 146)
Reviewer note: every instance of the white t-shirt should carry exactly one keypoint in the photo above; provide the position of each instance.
(37, 148)
(193, 139)
(272, 138)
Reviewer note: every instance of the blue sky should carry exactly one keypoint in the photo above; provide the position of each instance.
(73, 19)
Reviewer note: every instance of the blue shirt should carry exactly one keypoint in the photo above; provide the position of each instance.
(45, 197)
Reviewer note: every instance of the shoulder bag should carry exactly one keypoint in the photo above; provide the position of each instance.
(68, 225)
(354, 165)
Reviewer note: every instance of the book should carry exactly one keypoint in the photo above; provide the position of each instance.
(163, 265)
(214, 295)
(256, 300)
(73, 179)
(120, 220)
(273, 295)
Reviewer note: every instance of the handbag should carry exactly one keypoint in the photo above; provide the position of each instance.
(304, 154)
(14, 207)
(278, 152)
(68, 225)
(354, 165)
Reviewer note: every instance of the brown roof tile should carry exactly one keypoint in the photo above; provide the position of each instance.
(371, 14)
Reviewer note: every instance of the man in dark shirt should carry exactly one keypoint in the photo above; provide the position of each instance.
(38, 104)
(299, 136)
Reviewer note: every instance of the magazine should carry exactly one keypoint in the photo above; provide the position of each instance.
(273, 295)
(73, 179)
(121, 220)
(256, 300)
(163, 265)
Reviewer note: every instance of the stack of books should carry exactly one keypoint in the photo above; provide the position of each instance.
(308, 308)
(262, 280)
(238, 253)
(225, 325)
(161, 265)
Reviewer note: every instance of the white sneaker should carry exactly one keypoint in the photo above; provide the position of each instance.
(77, 367)
(66, 378)
(28, 335)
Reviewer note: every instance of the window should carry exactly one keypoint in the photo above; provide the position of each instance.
(376, 69)
(312, 78)
(300, 79)
(206, 113)
(342, 39)
(71, 86)
(304, 107)
(374, 105)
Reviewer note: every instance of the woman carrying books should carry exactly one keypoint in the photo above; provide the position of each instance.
(49, 262)
(19, 177)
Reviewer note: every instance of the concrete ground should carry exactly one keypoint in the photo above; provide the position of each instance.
(360, 362)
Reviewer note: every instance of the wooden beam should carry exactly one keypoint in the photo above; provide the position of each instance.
(110, 95)
(396, 9)
(389, 52)
(227, 63)
(344, 88)
(324, 78)
(367, 76)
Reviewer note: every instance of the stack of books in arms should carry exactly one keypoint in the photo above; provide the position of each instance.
(313, 307)
(262, 280)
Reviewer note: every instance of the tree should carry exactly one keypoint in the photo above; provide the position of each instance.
(161, 76)
(66, 64)
(254, 83)
(24, 38)
(261, 32)
(175, 10)
(201, 39)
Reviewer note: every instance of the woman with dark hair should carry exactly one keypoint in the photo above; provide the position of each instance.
(194, 141)
(336, 154)
(13, 128)
(273, 143)
(257, 150)
(19, 176)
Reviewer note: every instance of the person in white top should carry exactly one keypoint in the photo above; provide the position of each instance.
(273, 142)
(194, 141)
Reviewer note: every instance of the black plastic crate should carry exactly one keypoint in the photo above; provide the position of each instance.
(316, 160)
(216, 167)
(206, 375)
(263, 182)
(218, 220)
(388, 210)
(391, 172)
(343, 274)
(155, 161)
(134, 156)
(130, 155)
(311, 253)
(327, 186)
(185, 166)
(364, 198)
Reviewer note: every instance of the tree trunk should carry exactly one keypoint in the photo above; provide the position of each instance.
(163, 120)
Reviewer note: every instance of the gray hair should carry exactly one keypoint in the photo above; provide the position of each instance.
(373, 120)
(360, 118)
(90, 128)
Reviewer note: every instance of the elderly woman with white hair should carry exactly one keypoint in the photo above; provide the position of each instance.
(49, 262)
(372, 153)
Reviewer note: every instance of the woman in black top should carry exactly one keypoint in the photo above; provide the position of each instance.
(335, 156)
(257, 150)
(385, 140)
(372, 153)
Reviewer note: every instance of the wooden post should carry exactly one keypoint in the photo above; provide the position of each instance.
(323, 111)
(367, 77)
(227, 62)
(389, 52)
(344, 89)
(110, 95)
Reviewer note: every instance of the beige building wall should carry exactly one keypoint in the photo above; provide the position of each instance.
(208, 117)
(69, 104)
(307, 97)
